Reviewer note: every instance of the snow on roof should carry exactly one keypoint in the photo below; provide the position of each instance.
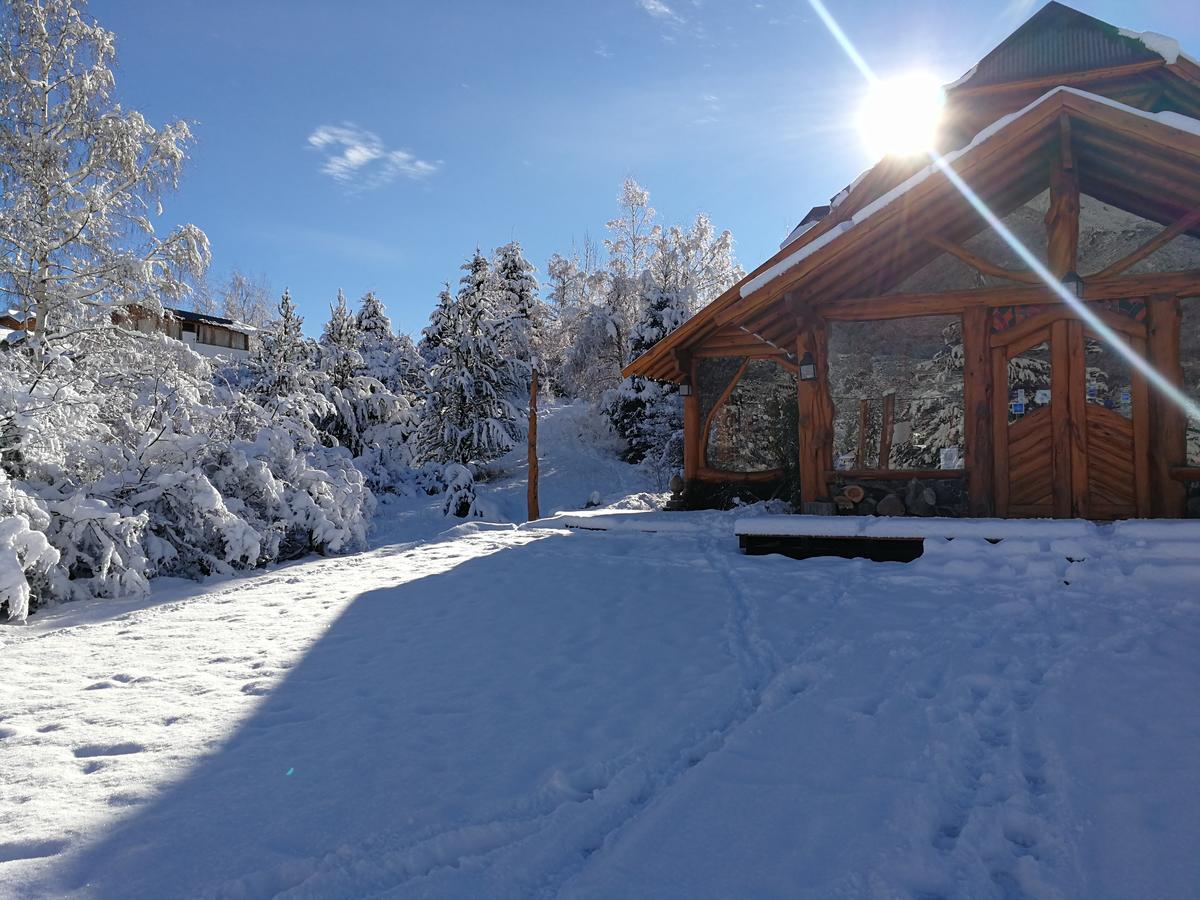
(1174, 120)
(798, 231)
(1164, 45)
(188, 315)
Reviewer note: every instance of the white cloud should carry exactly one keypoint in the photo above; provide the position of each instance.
(360, 160)
(659, 10)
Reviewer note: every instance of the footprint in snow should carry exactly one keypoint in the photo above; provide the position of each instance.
(88, 751)
(15, 850)
(53, 726)
(99, 686)
(256, 688)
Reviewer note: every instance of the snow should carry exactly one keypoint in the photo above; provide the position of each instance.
(1173, 120)
(1164, 45)
(995, 529)
(552, 709)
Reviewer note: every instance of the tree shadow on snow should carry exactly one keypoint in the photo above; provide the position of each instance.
(422, 705)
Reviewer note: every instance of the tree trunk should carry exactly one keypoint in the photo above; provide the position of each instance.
(532, 497)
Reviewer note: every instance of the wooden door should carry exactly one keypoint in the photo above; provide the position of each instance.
(1070, 423)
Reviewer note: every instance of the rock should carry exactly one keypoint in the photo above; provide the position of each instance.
(921, 501)
(1193, 508)
(819, 508)
(891, 505)
(867, 507)
(677, 484)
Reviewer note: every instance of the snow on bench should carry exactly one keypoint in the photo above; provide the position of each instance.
(898, 539)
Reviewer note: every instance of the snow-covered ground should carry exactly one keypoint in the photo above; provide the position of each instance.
(503, 711)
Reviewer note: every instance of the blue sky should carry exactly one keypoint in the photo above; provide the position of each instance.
(366, 144)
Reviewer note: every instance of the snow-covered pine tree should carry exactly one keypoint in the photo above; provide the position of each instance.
(82, 177)
(340, 343)
(436, 335)
(467, 418)
(283, 354)
(520, 313)
(688, 268)
(372, 320)
(648, 414)
(407, 370)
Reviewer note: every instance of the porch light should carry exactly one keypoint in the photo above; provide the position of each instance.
(1074, 283)
(685, 388)
(808, 368)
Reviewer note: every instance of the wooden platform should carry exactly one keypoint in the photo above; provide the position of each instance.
(904, 539)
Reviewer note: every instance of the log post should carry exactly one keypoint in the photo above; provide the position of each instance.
(815, 408)
(978, 397)
(534, 511)
(1168, 424)
(864, 415)
(886, 431)
(691, 421)
(1062, 218)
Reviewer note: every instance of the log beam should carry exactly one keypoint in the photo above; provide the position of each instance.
(902, 306)
(981, 265)
(1168, 234)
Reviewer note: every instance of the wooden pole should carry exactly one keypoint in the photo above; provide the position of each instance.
(978, 397)
(532, 496)
(1168, 424)
(815, 408)
(864, 413)
(885, 433)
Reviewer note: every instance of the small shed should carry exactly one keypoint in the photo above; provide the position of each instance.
(898, 346)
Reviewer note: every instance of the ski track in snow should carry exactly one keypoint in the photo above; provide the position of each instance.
(618, 714)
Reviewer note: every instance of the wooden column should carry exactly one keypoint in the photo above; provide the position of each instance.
(978, 397)
(1168, 425)
(815, 409)
(691, 423)
(1076, 400)
(1062, 218)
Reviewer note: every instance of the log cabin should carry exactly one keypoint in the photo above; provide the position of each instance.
(213, 336)
(899, 355)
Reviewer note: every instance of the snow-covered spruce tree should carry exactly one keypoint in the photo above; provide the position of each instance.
(688, 268)
(467, 418)
(372, 320)
(368, 418)
(521, 315)
(81, 178)
(436, 336)
(339, 344)
(388, 357)
(283, 355)
(648, 414)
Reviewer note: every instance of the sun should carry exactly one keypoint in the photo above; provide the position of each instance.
(900, 116)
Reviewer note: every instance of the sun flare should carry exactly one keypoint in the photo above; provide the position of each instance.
(900, 116)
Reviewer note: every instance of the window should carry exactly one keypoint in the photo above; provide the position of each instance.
(905, 370)
(748, 412)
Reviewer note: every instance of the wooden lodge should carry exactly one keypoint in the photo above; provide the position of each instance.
(897, 355)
